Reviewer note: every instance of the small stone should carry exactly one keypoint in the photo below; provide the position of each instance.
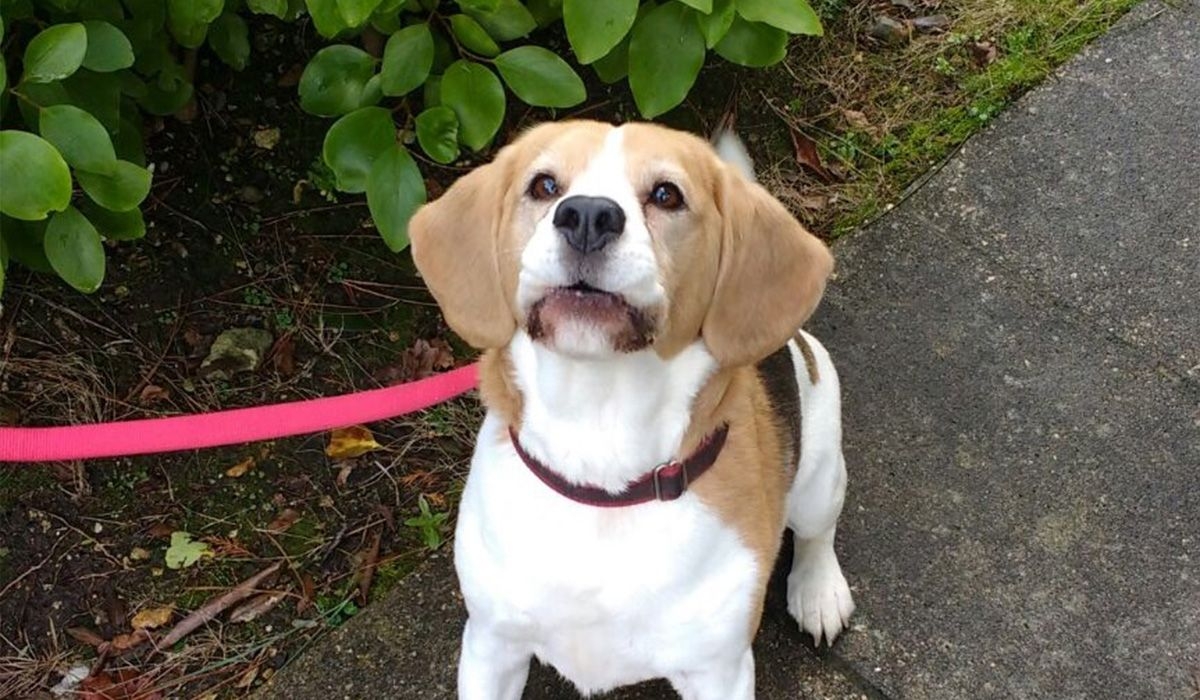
(250, 194)
(266, 138)
(890, 31)
(236, 350)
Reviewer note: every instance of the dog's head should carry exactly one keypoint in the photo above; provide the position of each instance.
(599, 240)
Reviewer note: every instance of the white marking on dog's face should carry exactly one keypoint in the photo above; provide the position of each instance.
(627, 267)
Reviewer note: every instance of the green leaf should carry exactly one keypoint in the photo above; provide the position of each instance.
(108, 49)
(545, 12)
(473, 36)
(479, 5)
(394, 191)
(353, 144)
(477, 98)
(97, 93)
(184, 552)
(510, 20)
(164, 100)
(333, 81)
(372, 92)
(431, 93)
(595, 28)
(437, 132)
(116, 225)
(121, 189)
(55, 53)
(127, 142)
(702, 6)
(753, 44)
(36, 180)
(3, 74)
(793, 16)
(25, 243)
(74, 250)
(407, 60)
(277, 8)
(356, 12)
(188, 20)
(716, 24)
(326, 17)
(79, 137)
(230, 39)
(666, 52)
(540, 78)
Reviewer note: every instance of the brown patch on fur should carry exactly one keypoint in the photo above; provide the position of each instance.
(636, 328)
(748, 485)
(810, 360)
(497, 387)
(777, 374)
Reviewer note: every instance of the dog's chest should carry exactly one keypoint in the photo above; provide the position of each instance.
(608, 596)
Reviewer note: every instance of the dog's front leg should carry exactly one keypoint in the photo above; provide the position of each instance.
(490, 667)
(726, 679)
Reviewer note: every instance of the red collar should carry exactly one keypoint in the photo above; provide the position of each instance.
(666, 482)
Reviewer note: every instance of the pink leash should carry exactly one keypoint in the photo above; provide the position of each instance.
(139, 437)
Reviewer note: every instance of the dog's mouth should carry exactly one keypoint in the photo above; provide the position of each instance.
(627, 327)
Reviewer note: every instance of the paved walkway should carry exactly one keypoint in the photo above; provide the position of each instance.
(1019, 344)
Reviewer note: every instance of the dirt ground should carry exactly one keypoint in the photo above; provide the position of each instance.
(243, 233)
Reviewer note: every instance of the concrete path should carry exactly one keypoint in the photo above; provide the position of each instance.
(1019, 344)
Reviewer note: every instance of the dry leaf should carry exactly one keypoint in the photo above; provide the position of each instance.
(150, 618)
(283, 521)
(247, 678)
(436, 500)
(256, 606)
(856, 119)
(423, 359)
(161, 530)
(123, 642)
(283, 355)
(227, 547)
(346, 443)
(121, 684)
(139, 554)
(983, 52)
(808, 156)
(152, 393)
(240, 468)
(813, 202)
(291, 77)
(308, 593)
(344, 472)
(86, 636)
(890, 31)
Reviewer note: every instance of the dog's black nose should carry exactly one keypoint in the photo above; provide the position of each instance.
(589, 223)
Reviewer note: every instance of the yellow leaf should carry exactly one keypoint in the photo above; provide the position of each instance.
(152, 617)
(240, 468)
(346, 443)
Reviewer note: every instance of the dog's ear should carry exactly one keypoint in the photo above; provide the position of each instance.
(455, 244)
(771, 274)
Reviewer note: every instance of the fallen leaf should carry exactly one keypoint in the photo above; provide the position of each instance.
(152, 393)
(150, 618)
(86, 636)
(286, 518)
(808, 156)
(983, 52)
(266, 138)
(227, 547)
(256, 606)
(813, 202)
(240, 468)
(283, 355)
(125, 642)
(236, 350)
(247, 678)
(386, 513)
(347, 466)
(419, 478)
(160, 530)
(856, 119)
(423, 359)
(932, 23)
(193, 338)
(121, 684)
(308, 593)
(346, 443)
(437, 500)
(139, 554)
(184, 552)
(370, 560)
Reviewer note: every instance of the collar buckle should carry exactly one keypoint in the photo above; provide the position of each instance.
(670, 480)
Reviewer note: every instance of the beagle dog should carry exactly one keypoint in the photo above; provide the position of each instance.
(655, 417)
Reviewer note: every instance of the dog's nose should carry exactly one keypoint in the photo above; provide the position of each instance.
(589, 223)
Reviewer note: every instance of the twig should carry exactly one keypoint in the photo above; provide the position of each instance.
(214, 607)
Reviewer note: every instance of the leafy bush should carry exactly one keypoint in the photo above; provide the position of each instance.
(72, 162)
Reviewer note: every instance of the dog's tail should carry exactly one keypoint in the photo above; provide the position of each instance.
(731, 150)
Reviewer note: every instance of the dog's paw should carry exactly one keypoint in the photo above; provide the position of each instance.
(819, 597)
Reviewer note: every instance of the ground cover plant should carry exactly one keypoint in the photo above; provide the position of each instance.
(246, 228)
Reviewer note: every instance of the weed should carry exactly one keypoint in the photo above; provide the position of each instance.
(429, 524)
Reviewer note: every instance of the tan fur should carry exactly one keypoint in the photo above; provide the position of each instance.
(740, 272)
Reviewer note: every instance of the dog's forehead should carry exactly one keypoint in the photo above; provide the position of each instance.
(636, 149)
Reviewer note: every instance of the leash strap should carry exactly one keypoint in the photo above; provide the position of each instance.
(153, 435)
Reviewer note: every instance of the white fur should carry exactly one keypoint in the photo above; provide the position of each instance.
(612, 596)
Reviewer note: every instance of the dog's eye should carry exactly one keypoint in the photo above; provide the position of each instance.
(666, 195)
(543, 186)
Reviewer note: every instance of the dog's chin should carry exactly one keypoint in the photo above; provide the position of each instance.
(582, 321)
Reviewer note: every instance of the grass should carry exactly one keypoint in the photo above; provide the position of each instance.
(882, 116)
